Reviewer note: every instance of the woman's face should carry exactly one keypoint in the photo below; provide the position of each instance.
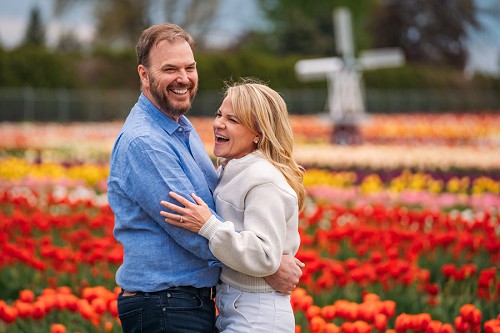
(232, 139)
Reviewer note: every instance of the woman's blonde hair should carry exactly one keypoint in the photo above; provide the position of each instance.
(263, 111)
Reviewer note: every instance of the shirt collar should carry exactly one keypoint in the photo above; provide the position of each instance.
(167, 123)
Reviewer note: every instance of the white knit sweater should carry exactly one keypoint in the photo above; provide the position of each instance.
(260, 210)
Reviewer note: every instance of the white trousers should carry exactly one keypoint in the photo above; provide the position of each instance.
(241, 311)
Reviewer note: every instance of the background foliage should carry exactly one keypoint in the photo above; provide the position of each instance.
(433, 46)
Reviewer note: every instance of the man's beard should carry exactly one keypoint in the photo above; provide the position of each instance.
(164, 103)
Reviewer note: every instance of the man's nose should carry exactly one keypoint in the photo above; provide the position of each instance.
(183, 76)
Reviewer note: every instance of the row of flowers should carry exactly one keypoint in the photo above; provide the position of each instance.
(432, 141)
(98, 306)
(373, 314)
(390, 157)
(385, 158)
(480, 129)
(95, 175)
(426, 263)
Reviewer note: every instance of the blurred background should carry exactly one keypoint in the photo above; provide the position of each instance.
(402, 219)
(74, 60)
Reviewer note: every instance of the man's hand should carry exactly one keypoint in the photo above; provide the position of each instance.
(287, 276)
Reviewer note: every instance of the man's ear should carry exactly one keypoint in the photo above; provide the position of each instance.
(143, 74)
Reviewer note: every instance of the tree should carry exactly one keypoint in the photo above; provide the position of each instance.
(306, 26)
(193, 15)
(68, 42)
(35, 31)
(120, 22)
(430, 32)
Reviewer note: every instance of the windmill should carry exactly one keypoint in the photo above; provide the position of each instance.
(343, 75)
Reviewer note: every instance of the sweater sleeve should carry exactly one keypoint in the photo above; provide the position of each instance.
(257, 249)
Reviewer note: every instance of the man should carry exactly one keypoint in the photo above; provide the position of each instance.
(168, 274)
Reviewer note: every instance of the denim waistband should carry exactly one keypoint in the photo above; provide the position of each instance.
(202, 292)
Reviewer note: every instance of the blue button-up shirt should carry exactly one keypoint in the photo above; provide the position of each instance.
(153, 155)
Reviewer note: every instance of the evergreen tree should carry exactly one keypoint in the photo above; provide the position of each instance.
(35, 31)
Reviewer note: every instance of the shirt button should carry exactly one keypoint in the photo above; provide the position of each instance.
(164, 309)
(180, 129)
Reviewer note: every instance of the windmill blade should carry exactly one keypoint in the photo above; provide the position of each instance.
(343, 33)
(380, 58)
(316, 69)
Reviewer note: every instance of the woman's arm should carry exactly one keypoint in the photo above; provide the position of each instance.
(194, 217)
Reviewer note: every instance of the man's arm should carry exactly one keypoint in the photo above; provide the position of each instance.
(287, 276)
(157, 170)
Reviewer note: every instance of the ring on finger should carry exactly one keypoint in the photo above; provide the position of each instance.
(180, 220)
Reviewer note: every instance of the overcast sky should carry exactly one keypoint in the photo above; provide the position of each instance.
(14, 14)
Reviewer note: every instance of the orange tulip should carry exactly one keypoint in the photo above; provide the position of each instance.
(24, 310)
(70, 301)
(466, 311)
(99, 305)
(461, 325)
(85, 309)
(331, 328)
(305, 302)
(317, 324)
(477, 317)
(403, 323)
(434, 326)
(380, 322)
(371, 297)
(490, 326)
(361, 326)
(26, 296)
(388, 308)
(328, 312)
(347, 327)
(113, 308)
(57, 328)
(422, 320)
(446, 328)
(313, 311)
(108, 326)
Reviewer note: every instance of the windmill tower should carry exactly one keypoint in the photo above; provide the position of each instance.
(343, 75)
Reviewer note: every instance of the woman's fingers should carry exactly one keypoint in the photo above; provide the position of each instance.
(180, 198)
(185, 202)
(172, 206)
(198, 200)
(171, 216)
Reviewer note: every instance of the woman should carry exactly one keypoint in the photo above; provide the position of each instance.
(259, 195)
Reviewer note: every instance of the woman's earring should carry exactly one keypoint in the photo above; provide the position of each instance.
(256, 141)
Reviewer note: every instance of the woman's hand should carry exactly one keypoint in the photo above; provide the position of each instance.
(191, 217)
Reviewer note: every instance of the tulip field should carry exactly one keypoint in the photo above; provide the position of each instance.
(400, 233)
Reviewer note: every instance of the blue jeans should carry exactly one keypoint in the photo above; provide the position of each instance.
(173, 311)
